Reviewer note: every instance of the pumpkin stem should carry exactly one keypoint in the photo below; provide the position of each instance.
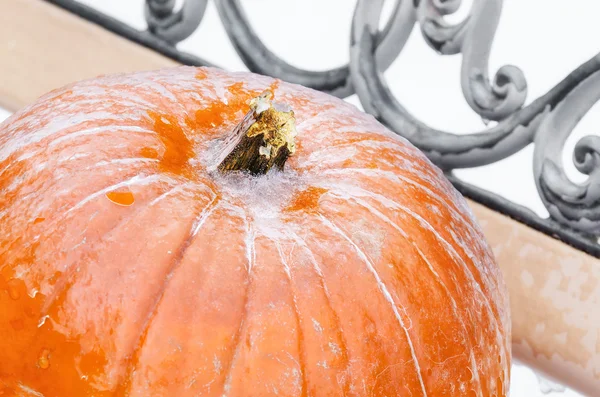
(263, 140)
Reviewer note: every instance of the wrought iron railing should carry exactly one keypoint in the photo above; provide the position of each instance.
(546, 122)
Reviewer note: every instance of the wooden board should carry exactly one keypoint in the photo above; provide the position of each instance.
(44, 47)
(555, 289)
(555, 300)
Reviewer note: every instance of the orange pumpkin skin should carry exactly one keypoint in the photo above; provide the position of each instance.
(129, 269)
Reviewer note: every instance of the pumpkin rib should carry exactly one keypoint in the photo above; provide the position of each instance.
(237, 340)
(167, 193)
(449, 247)
(70, 101)
(420, 332)
(454, 210)
(466, 336)
(326, 294)
(121, 161)
(160, 89)
(385, 201)
(373, 153)
(201, 218)
(367, 143)
(48, 230)
(365, 140)
(385, 292)
(98, 105)
(454, 257)
(398, 178)
(411, 241)
(390, 346)
(33, 172)
(264, 362)
(112, 131)
(88, 199)
(35, 183)
(438, 279)
(71, 328)
(454, 253)
(181, 337)
(301, 349)
(62, 282)
(56, 134)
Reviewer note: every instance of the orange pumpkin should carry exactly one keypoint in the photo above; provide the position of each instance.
(132, 266)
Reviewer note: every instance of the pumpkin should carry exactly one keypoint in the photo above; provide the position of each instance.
(193, 232)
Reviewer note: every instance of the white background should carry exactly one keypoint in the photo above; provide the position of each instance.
(547, 39)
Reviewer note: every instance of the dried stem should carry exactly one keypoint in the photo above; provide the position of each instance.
(265, 138)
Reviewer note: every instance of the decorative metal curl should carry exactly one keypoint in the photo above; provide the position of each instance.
(577, 205)
(473, 37)
(258, 58)
(171, 26)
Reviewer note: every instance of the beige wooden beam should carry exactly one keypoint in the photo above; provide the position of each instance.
(555, 300)
(554, 289)
(43, 47)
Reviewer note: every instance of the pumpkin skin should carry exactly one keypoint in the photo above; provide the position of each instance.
(129, 269)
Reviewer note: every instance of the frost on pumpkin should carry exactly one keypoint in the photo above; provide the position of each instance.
(307, 200)
(178, 148)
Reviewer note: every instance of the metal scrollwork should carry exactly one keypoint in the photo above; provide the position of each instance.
(440, 35)
(546, 122)
(171, 26)
(336, 81)
(443, 37)
(473, 38)
(577, 205)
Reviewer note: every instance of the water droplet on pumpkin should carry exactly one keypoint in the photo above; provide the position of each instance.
(13, 289)
(44, 359)
(121, 197)
(38, 220)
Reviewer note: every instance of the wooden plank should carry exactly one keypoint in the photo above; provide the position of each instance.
(44, 47)
(555, 289)
(555, 300)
